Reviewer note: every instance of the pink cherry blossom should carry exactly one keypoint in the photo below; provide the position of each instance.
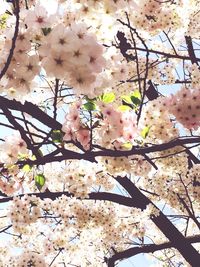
(38, 18)
(83, 136)
(56, 64)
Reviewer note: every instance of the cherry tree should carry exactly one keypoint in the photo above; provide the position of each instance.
(99, 139)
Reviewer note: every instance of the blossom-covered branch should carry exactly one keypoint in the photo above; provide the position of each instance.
(150, 248)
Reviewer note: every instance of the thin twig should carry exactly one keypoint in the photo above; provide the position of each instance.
(8, 61)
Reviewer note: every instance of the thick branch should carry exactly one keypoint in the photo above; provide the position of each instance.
(191, 52)
(146, 249)
(167, 228)
(104, 196)
(36, 113)
(18, 127)
(32, 110)
(91, 155)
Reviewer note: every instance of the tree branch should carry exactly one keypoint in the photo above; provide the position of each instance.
(32, 110)
(91, 155)
(146, 249)
(104, 196)
(6, 66)
(161, 221)
(18, 127)
(191, 53)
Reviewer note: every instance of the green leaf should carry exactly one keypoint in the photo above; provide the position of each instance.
(133, 99)
(57, 136)
(108, 97)
(136, 101)
(22, 156)
(145, 132)
(39, 181)
(33, 157)
(46, 31)
(127, 145)
(90, 106)
(3, 19)
(127, 104)
(124, 108)
(126, 99)
(136, 94)
(26, 168)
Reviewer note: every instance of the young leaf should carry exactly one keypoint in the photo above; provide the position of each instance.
(145, 132)
(22, 156)
(127, 104)
(90, 106)
(108, 97)
(133, 99)
(26, 168)
(136, 94)
(124, 108)
(39, 181)
(136, 101)
(3, 19)
(33, 157)
(127, 145)
(127, 99)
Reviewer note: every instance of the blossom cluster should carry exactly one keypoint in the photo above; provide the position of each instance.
(63, 52)
(29, 258)
(108, 221)
(73, 54)
(24, 66)
(184, 105)
(193, 175)
(22, 212)
(11, 149)
(154, 16)
(156, 116)
(116, 126)
(74, 129)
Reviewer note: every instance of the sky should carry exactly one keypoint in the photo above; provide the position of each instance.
(136, 261)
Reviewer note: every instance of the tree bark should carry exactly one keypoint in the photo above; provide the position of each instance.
(177, 240)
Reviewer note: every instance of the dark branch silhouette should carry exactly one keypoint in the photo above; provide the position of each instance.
(8, 61)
